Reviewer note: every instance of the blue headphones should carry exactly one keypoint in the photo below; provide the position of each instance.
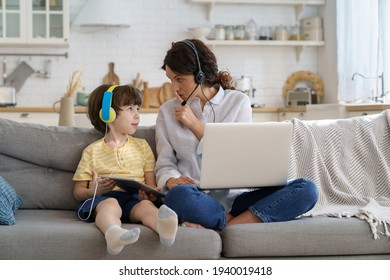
(107, 114)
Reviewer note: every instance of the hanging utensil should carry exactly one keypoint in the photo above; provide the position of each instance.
(17, 77)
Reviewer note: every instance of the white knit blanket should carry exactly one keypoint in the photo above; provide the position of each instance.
(349, 160)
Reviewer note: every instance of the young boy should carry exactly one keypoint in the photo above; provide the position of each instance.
(114, 111)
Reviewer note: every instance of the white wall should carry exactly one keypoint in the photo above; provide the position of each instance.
(142, 47)
(327, 55)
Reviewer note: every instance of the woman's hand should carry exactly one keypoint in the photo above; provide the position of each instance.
(182, 180)
(185, 115)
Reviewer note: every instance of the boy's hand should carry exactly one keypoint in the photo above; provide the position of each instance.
(142, 195)
(103, 185)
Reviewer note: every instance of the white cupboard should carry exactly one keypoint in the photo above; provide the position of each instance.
(34, 23)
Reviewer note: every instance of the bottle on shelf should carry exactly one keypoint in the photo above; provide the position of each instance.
(251, 30)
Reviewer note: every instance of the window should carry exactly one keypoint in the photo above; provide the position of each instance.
(363, 50)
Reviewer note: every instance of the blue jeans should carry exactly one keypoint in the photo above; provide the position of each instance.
(273, 204)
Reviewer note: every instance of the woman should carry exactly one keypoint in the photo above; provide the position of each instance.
(205, 94)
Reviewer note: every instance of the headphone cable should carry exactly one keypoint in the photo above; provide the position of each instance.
(211, 105)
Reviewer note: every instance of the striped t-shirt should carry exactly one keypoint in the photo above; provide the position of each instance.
(131, 160)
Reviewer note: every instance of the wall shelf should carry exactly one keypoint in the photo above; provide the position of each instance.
(263, 43)
(298, 4)
(299, 45)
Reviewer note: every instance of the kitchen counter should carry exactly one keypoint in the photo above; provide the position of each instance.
(366, 107)
(79, 109)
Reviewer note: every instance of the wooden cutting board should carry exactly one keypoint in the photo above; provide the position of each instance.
(153, 93)
(111, 77)
(145, 92)
(165, 93)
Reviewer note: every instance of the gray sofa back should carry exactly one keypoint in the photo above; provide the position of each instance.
(39, 161)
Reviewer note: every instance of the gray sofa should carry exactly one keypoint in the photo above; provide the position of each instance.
(39, 162)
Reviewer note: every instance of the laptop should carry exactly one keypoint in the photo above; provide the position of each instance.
(245, 155)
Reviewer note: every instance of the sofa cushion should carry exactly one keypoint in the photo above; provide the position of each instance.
(40, 161)
(59, 235)
(57, 147)
(308, 236)
(9, 203)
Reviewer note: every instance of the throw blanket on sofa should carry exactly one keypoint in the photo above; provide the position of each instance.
(349, 160)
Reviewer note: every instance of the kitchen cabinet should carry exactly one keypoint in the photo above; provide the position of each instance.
(297, 4)
(264, 117)
(285, 116)
(361, 113)
(47, 116)
(48, 119)
(34, 23)
(357, 110)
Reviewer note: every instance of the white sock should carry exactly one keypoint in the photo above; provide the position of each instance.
(167, 225)
(117, 238)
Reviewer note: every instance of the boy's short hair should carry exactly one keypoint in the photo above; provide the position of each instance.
(122, 95)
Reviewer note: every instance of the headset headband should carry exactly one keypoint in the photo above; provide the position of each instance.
(106, 103)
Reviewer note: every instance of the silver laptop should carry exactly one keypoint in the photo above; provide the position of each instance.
(245, 155)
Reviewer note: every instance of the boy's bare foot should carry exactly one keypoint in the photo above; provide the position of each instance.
(191, 225)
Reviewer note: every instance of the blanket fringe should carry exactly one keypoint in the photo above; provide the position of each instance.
(385, 224)
(371, 221)
(374, 224)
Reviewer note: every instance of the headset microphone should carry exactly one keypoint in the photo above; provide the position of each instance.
(185, 101)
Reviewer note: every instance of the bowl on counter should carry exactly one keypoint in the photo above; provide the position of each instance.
(200, 33)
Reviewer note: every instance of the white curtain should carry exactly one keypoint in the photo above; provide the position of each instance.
(363, 32)
(384, 8)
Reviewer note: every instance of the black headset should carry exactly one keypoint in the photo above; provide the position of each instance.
(199, 75)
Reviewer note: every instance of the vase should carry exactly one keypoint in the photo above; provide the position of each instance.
(66, 112)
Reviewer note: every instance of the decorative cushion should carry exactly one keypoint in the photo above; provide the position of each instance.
(9, 203)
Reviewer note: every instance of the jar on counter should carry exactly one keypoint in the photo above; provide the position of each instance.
(219, 32)
(239, 32)
(281, 33)
(229, 32)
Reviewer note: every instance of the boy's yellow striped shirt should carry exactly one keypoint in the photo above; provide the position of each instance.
(131, 160)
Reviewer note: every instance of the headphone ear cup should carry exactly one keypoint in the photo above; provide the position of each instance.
(200, 77)
(111, 118)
